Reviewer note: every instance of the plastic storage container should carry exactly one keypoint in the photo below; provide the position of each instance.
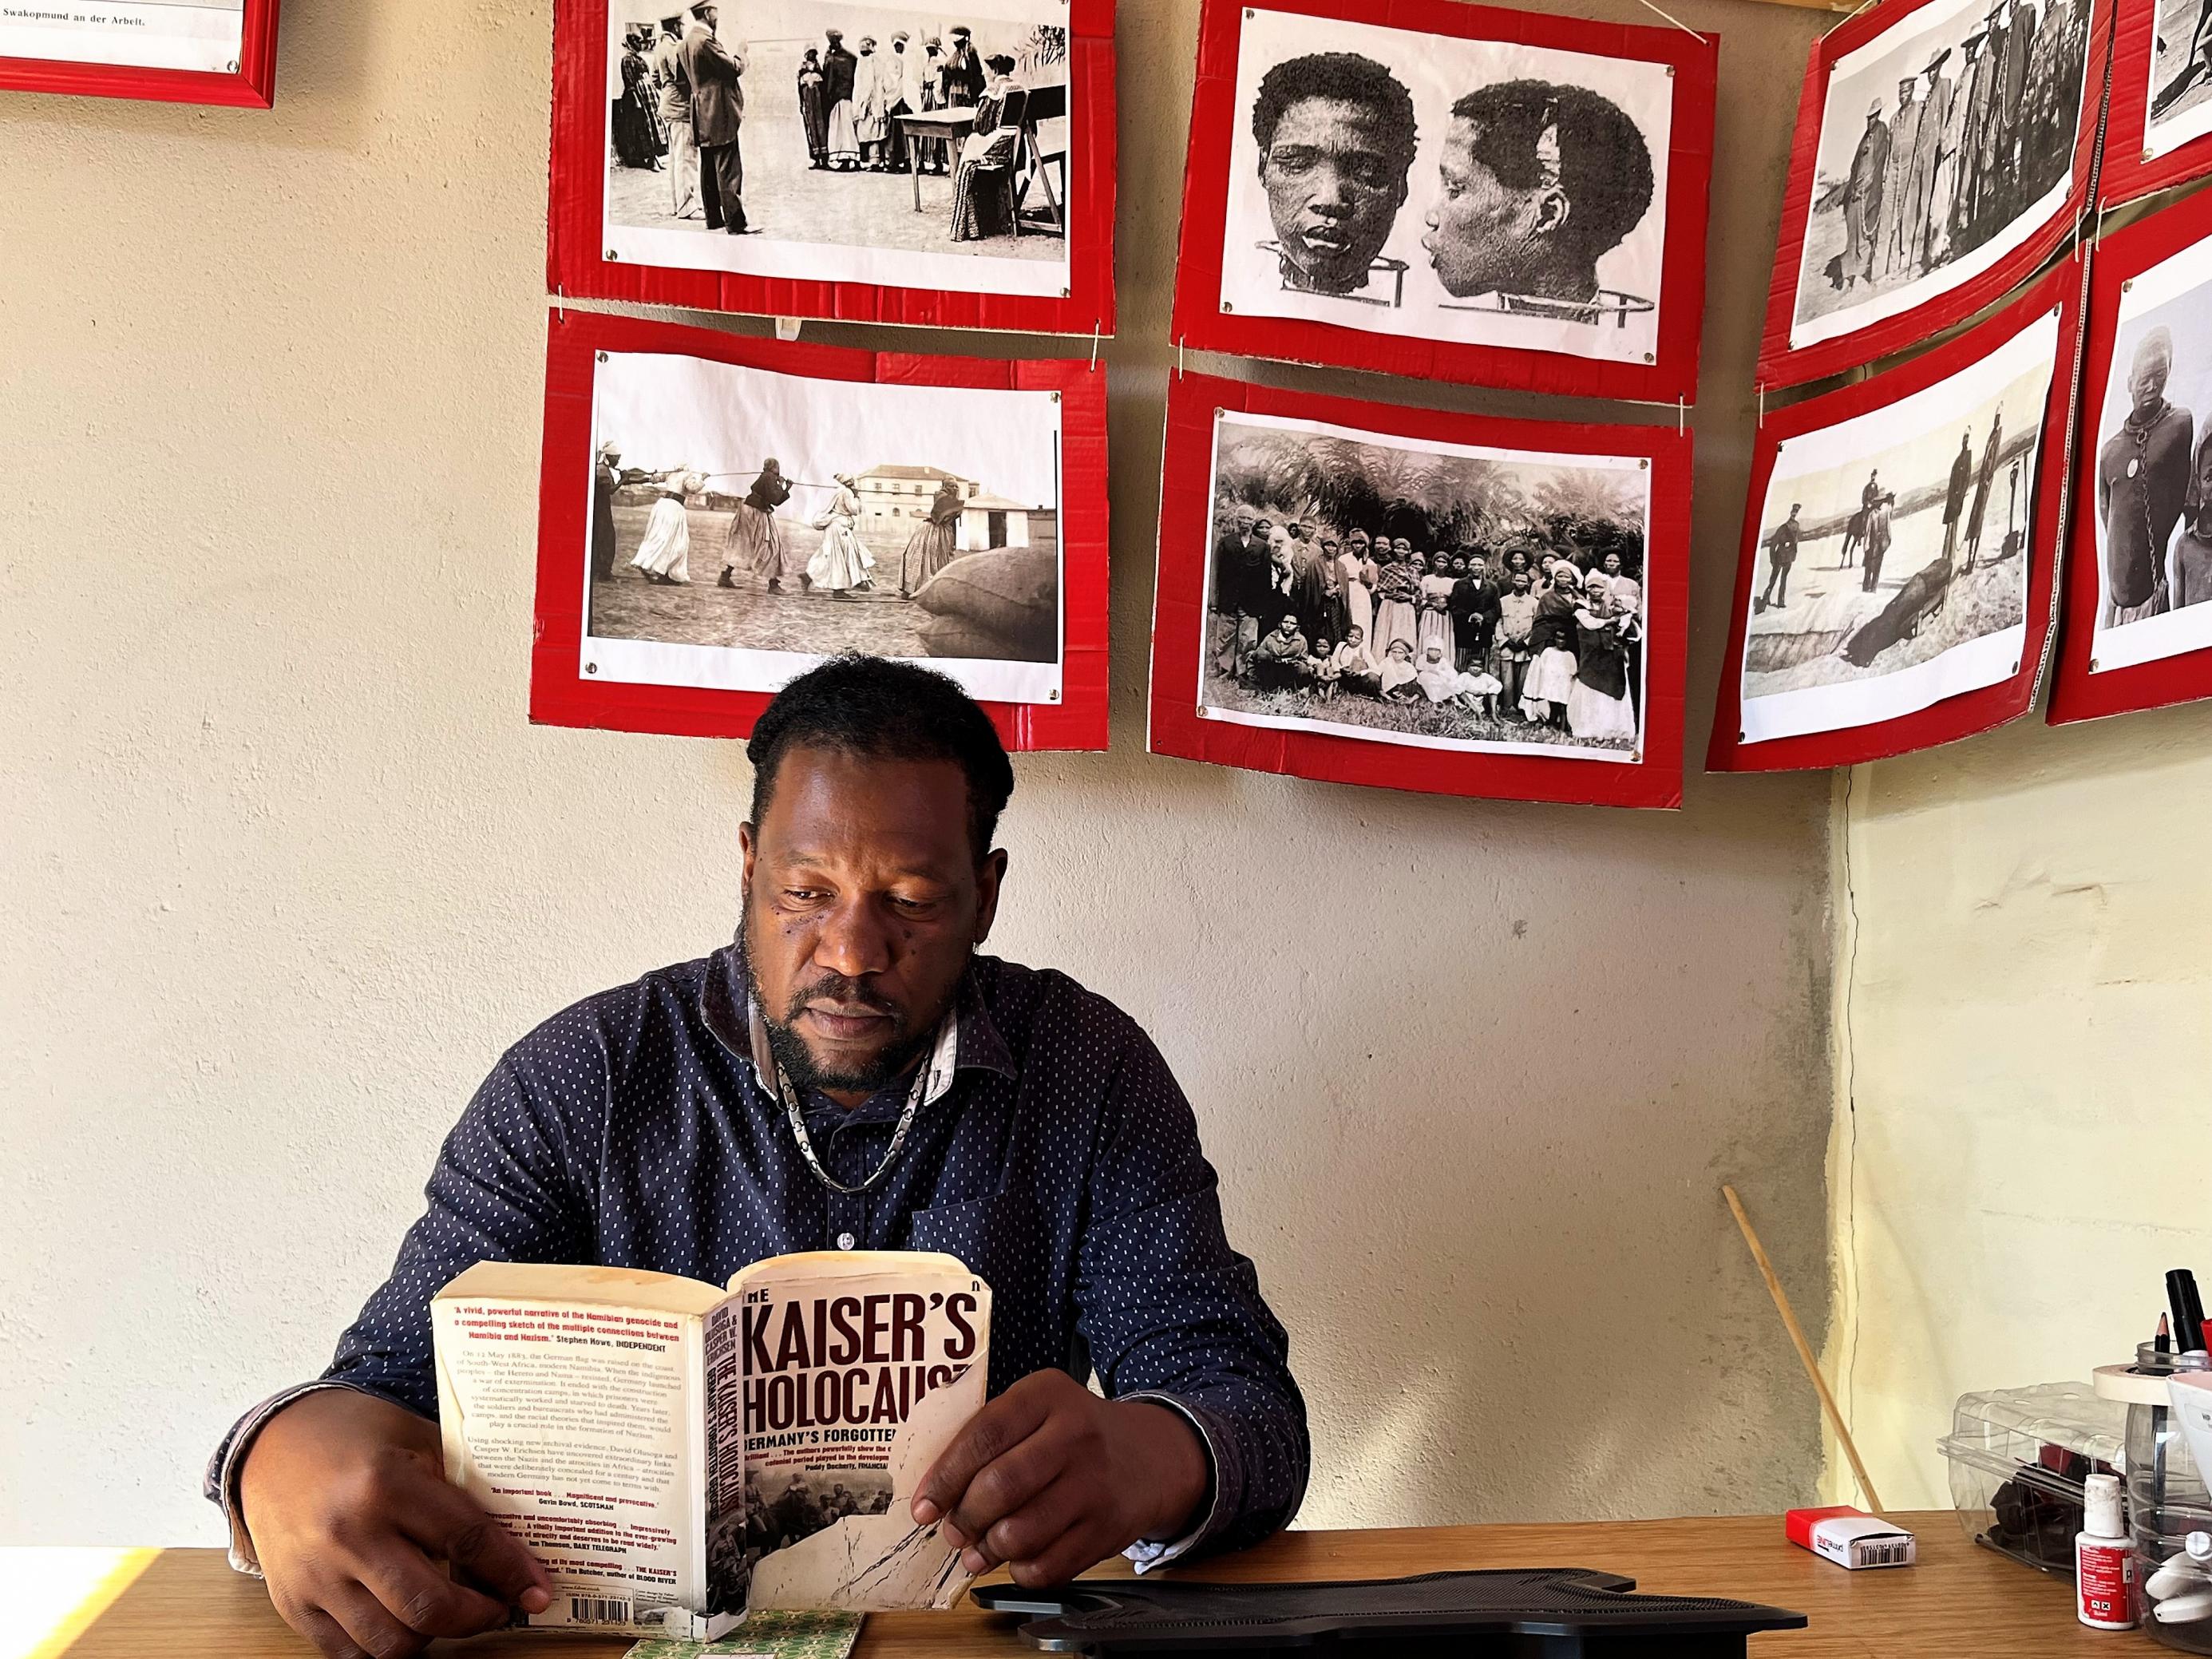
(2019, 1459)
(2168, 1500)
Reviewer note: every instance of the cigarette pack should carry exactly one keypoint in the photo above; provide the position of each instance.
(1850, 1537)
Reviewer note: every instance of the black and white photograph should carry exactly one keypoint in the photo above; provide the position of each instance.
(2153, 511)
(1946, 141)
(1476, 192)
(1894, 550)
(747, 523)
(2180, 107)
(820, 141)
(1441, 595)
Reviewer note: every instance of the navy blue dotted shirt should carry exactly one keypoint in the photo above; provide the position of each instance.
(1054, 1155)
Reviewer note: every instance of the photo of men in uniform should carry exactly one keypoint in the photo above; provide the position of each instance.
(1945, 141)
(1421, 185)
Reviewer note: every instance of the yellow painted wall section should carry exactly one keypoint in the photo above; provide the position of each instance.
(2025, 1059)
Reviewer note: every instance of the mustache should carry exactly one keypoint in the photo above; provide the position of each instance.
(846, 992)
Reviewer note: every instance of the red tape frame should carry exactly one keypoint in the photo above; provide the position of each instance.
(252, 87)
(1970, 712)
(1199, 322)
(2076, 693)
(576, 247)
(561, 695)
(1179, 619)
(1780, 366)
(2127, 173)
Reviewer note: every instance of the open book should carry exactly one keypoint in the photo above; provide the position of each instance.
(677, 1454)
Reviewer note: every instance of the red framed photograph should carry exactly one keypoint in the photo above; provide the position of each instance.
(1412, 599)
(2157, 128)
(2138, 622)
(870, 163)
(1945, 150)
(717, 514)
(1451, 192)
(1894, 591)
(181, 52)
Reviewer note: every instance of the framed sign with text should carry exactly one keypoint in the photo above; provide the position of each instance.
(186, 52)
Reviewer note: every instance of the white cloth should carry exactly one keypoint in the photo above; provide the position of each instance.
(1395, 671)
(868, 100)
(842, 563)
(1359, 598)
(1593, 715)
(666, 548)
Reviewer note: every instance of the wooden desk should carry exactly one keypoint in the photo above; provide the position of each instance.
(1960, 1600)
(947, 129)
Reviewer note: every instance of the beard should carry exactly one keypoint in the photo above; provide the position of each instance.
(908, 1040)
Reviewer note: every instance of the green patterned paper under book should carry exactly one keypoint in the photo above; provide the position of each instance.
(771, 1636)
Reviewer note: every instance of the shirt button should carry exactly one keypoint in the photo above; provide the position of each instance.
(845, 1241)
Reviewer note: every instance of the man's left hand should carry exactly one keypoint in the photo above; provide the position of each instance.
(1050, 1480)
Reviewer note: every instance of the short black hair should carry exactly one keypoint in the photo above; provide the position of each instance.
(879, 709)
(1344, 76)
(1605, 166)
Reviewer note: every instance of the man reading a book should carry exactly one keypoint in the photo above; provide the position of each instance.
(848, 1073)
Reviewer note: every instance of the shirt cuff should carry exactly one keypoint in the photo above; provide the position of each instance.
(223, 1470)
(1147, 1553)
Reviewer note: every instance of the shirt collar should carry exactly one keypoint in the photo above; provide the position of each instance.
(967, 1038)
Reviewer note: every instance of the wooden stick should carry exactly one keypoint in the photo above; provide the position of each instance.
(1804, 1348)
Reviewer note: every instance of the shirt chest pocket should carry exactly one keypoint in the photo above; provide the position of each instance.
(997, 1238)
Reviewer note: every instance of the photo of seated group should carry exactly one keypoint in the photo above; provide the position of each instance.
(816, 140)
(746, 524)
(1472, 191)
(1424, 593)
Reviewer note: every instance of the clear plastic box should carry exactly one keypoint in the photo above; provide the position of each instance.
(2019, 1459)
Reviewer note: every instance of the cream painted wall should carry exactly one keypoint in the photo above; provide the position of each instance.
(2025, 1049)
(284, 866)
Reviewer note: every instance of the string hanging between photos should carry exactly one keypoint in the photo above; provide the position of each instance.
(1679, 24)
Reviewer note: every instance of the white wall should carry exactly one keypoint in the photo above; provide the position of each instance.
(284, 866)
(2028, 1046)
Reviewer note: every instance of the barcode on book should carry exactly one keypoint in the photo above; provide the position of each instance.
(1886, 1555)
(597, 1610)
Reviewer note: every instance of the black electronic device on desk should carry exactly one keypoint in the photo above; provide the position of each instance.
(1518, 1612)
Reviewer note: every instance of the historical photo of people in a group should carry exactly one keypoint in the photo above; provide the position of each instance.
(1893, 550)
(746, 524)
(1469, 190)
(822, 141)
(2180, 89)
(2152, 513)
(1946, 141)
(1444, 596)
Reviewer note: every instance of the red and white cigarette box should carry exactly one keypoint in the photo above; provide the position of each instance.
(1850, 1537)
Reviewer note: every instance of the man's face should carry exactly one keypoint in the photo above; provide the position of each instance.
(864, 901)
(710, 17)
(1333, 191)
(1244, 523)
(1482, 232)
(1458, 567)
(899, 46)
(2146, 379)
(1519, 581)
(1288, 626)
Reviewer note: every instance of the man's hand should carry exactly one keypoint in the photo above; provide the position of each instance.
(344, 1497)
(1051, 1479)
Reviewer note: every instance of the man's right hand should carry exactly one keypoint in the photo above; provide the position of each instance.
(345, 1499)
